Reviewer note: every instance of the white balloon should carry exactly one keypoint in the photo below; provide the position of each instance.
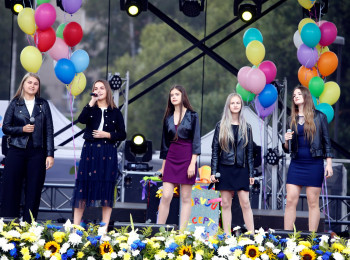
(297, 39)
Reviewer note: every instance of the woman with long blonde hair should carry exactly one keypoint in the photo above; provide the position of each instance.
(232, 156)
(310, 144)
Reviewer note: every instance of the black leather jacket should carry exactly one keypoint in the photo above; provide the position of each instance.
(17, 116)
(113, 123)
(241, 155)
(321, 145)
(188, 129)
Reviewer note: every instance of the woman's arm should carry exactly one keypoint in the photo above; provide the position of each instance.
(8, 128)
(50, 147)
(192, 167)
(196, 141)
(164, 147)
(250, 152)
(215, 150)
(119, 134)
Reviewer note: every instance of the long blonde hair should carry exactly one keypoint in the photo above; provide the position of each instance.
(109, 96)
(308, 110)
(226, 135)
(19, 92)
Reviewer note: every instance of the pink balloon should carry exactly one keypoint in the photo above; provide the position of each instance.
(256, 81)
(328, 33)
(242, 76)
(45, 16)
(269, 69)
(59, 50)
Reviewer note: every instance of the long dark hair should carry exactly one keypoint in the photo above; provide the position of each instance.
(19, 92)
(109, 96)
(171, 108)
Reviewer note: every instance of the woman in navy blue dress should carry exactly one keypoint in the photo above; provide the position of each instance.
(310, 144)
(98, 166)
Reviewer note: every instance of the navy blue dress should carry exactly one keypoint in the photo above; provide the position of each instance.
(305, 170)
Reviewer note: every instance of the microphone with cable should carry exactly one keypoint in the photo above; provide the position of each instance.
(31, 120)
(217, 175)
(93, 94)
(289, 142)
(158, 174)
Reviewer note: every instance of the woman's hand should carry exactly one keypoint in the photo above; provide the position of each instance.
(100, 134)
(28, 128)
(93, 100)
(251, 181)
(213, 179)
(287, 136)
(328, 171)
(191, 170)
(49, 162)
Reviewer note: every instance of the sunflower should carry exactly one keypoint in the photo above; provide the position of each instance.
(53, 247)
(186, 250)
(307, 254)
(106, 248)
(252, 252)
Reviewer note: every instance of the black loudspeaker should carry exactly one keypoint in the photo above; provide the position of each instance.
(133, 188)
(153, 204)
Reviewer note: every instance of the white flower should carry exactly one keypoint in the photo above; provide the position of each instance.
(114, 255)
(2, 224)
(231, 241)
(236, 228)
(135, 252)
(4, 258)
(244, 257)
(261, 248)
(199, 233)
(64, 248)
(338, 256)
(224, 251)
(270, 245)
(299, 248)
(261, 231)
(102, 231)
(171, 255)
(198, 257)
(53, 258)
(264, 257)
(67, 226)
(245, 241)
(324, 240)
(272, 230)
(41, 242)
(132, 237)
(14, 233)
(259, 238)
(74, 239)
(185, 257)
(37, 230)
(5, 246)
(320, 258)
(91, 258)
(34, 248)
(121, 253)
(276, 251)
(47, 253)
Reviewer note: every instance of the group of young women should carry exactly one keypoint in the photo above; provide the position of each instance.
(28, 123)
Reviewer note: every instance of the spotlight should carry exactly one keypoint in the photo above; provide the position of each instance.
(17, 5)
(191, 8)
(115, 82)
(247, 11)
(138, 151)
(133, 7)
(272, 156)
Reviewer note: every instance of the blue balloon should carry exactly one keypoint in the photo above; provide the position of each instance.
(326, 109)
(310, 34)
(252, 34)
(65, 70)
(80, 59)
(268, 95)
(315, 100)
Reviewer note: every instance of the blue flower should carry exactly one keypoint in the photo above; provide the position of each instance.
(328, 253)
(221, 237)
(315, 247)
(70, 252)
(102, 224)
(64, 257)
(172, 247)
(320, 252)
(80, 233)
(283, 240)
(215, 246)
(280, 255)
(37, 256)
(142, 245)
(98, 237)
(274, 239)
(325, 257)
(13, 252)
(134, 246)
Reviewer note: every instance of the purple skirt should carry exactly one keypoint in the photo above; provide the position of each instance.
(177, 161)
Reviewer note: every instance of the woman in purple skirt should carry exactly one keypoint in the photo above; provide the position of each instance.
(180, 146)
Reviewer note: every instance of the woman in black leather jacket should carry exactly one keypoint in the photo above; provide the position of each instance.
(310, 144)
(98, 167)
(28, 123)
(179, 150)
(232, 156)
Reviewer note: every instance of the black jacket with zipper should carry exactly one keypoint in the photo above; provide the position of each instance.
(17, 116)
(321, 144)
(241, 155)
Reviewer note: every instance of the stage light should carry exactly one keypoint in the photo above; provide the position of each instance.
(133, 7)
(191, 8)
(247, 11)
(115, 82)
(138, 151)
(17, 5)
(272, 157)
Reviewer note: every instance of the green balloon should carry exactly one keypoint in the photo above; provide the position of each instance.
(39, 2)
(316, 86)
(245, 94)
(59, 31)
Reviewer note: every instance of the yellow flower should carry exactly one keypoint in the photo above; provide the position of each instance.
(305, 243)
(123, 245)
(127, 256)
(308, 254)
(338, 247)
(213, 240)
(26, 257)
(346, 251)
(107, 256)
(25, 251)
(180, 239)
(86, 244)
(53, 247)
(80, 255)
(252, 252)
(106, 248)
(162, 254)
(58, 236)
(29, 236)
(237, 252)
(58, 256)
(200, 252)
(186, 250)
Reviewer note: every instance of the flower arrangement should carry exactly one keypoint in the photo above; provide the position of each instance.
(46, 241)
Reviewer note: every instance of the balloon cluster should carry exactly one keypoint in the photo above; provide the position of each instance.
(312, 40)
(38, 23)
(257, 80)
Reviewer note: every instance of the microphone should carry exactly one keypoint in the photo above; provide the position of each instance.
(217, 175)
(31, 120)
(158, 174)
(93, 94)
(289, 142)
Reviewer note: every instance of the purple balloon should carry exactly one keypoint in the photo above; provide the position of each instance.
(71, 6)
(307, 56)
(262, 111)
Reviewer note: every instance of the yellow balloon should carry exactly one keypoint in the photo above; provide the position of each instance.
(31, 59)
(307, 4)
(255, 52)
(331, 93)
(77, 85)
(321, 49)
(303, 22)
(26, 20)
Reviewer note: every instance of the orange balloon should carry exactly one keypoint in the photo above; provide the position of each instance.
(327, 63)
(305, 74)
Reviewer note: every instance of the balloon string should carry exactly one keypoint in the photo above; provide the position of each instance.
(71, 101)
(326, 206)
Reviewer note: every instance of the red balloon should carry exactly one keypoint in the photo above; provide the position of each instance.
(72, 34)
(45, 39)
